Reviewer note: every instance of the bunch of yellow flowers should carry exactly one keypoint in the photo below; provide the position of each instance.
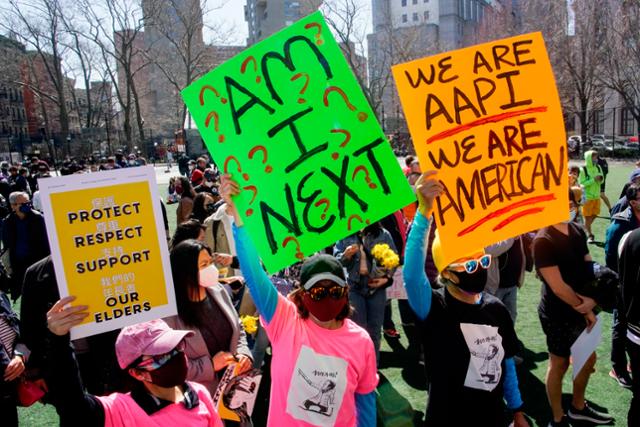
(385, 256)
(249, 324)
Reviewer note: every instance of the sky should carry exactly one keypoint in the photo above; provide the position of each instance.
(232, 12)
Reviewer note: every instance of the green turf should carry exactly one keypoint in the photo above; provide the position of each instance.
(406, 379)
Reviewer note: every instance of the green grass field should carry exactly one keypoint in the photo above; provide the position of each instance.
(408, 381)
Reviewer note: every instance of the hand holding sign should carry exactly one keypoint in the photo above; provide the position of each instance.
(60, 319)
(427, 189)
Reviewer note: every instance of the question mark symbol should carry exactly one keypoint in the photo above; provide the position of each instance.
(362, 116)
(226, 166)
(254, 190)
(355, 216)
(257, 148)
(243, 67)
(367, 178)
(304, 87)
(318, 36)
(205, 88)
(216, 120)
(347, 138)
(323, 202)
(286, 241)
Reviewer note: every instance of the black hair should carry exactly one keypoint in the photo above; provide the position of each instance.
(187, 189)
(184, 269)
(190, 229)
(632, 192)
(199, 211)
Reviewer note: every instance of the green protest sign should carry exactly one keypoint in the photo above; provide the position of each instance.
(288, 120)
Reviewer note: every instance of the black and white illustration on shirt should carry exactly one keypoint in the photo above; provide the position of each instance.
(317, 388)
(486, 354)
(323, 401)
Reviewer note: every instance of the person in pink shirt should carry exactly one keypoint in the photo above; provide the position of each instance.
(152, 354)
(324, 366)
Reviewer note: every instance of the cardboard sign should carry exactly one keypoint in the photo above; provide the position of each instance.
(488, 119)
(236, 394)
(109, 246)
(287, 119)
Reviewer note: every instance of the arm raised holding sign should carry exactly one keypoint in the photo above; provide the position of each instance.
(470, 356)
(308, 329)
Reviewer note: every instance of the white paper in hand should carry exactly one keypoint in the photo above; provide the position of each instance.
(586, 344)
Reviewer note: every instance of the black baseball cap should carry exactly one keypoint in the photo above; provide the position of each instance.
(321, 267)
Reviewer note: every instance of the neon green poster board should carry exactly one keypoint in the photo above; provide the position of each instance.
(288, 120)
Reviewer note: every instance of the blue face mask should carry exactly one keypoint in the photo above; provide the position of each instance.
(25, 208)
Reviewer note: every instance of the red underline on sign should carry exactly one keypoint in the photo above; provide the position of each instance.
(516, 216)
(502, 211)
(490, 119)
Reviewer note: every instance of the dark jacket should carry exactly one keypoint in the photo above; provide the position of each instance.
(6, 354)
(36, 237)
(629, 279)
(621, 223)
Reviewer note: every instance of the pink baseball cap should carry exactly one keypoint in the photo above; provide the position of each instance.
(148, 339)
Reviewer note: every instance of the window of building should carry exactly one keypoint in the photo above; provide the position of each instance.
(404, 3)
(425, 1)
(415, 1)
(626, 122)
(426, 15)
(415, 16)
(404, 17)
(597, 118)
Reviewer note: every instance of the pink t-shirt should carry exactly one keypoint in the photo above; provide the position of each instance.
(121, 410)
(315, 372)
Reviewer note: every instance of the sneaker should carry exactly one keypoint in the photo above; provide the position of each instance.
(623, 380)
(591, 239)
(563, 423)
(392, 333)
(589, 414)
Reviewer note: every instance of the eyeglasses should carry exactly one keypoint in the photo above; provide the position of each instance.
(156, 362)
(318, 293)
(471, 266)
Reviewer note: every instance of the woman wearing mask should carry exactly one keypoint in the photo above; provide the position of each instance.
(323, 368)
(152, 355)
(366, 293)
(468, 336)
(186, 193)
(203, 207)
(205, 308)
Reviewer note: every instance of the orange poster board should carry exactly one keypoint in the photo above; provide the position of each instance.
(488, 119)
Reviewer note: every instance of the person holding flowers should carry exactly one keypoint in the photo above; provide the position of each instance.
(370, 258)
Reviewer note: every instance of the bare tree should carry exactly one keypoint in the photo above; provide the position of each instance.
(621, 55)
(181, 54)
(119, 39)
(38, 25)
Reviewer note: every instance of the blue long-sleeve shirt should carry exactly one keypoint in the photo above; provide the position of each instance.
(420, 294)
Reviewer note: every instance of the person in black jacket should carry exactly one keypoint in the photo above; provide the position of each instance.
(25, 237)
(629, 270)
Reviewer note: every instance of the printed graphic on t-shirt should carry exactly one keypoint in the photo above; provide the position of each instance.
(485, 364)
(317, 388)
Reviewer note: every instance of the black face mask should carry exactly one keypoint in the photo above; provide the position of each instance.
(473, 283)
(171, 374)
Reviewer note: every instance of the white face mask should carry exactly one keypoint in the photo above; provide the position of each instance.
(208, 184)
(208, 276)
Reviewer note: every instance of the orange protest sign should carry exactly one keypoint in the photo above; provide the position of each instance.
(488, 119)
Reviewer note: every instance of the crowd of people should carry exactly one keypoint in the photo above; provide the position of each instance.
(321, 320)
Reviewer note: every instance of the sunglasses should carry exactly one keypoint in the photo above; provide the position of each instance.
(471, 266)
(318, 293)
(156, 362)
